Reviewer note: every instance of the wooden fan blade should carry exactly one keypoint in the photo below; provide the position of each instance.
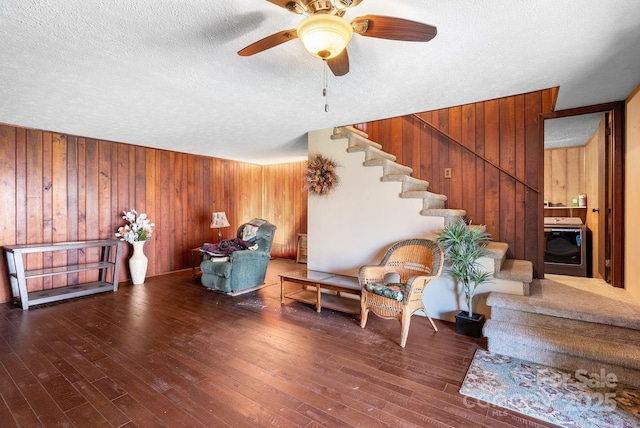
(339, 65)
(290, 5)
(269, 42)
(386, 27)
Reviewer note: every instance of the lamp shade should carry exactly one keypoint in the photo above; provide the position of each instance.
(219, 219)
(324, 36)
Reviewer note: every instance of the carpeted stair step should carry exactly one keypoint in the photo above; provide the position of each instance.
(580, 299)
(434, 205)
(517, 270)
(565, 350)
(356, 137)
(509, 269)
(420, 193)
(450, 215)
(481, 227)
(370, 152)
(498, 252)
(347, 131)
(434, 201)
(409, 184)
(429, 199)
(568, 325)
(389, 167)
(359, 145)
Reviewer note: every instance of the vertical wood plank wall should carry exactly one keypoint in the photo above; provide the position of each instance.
(564, 174)
(284, 203)
(56, 188)
(505, 131)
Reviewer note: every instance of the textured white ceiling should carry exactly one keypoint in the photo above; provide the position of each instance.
(165, 73)
(570, 131)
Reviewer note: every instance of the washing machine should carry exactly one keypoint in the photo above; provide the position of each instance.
(565, 246)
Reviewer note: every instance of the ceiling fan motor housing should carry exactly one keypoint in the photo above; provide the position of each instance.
(324, 36)
(319, 6)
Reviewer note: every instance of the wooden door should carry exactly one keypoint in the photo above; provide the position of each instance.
(595, 178)
(601, 217)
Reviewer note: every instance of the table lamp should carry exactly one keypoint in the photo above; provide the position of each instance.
(219, 220)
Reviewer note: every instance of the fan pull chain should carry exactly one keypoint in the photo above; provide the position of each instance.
(325, 92)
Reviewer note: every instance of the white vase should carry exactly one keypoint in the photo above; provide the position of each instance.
(138, 263)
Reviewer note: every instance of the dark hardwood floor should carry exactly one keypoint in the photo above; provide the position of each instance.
(172, 353)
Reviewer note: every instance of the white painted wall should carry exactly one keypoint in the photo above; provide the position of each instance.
(632, 195)
(356, 223)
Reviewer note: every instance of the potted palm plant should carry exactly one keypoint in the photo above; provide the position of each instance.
(463, 245)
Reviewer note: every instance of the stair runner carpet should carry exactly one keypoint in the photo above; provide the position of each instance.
(569, 323)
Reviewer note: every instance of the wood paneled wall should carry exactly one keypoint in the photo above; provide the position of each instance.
(56, 188)
(564, 174)
(505, 133)
(284, 202)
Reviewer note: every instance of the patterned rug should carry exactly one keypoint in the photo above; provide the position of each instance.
(577, 399)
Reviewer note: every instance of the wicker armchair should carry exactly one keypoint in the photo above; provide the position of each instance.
(414, 263)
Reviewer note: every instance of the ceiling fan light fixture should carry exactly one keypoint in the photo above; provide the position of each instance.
(323, 35)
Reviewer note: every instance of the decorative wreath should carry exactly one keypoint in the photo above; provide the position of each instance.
(321, 175)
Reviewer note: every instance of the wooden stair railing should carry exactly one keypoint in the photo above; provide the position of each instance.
(473, 152)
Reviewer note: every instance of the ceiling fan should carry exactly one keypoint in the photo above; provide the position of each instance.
(325, 33)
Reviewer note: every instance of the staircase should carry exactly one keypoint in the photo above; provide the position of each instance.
(570, 324)
(550, 322)
(433, 204)
(517, 274)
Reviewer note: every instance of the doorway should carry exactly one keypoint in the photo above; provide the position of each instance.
(605, 213)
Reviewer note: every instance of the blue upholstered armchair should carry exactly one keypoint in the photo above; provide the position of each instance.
(244, 268)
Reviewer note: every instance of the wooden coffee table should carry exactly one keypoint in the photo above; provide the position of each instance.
(341, 292)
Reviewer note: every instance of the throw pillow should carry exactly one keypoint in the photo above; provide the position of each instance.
(392, 291)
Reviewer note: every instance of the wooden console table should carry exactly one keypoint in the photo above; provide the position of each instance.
(15, 256)
(196, 254)
(335, 284)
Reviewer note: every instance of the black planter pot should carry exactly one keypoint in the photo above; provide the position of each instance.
(469, 326)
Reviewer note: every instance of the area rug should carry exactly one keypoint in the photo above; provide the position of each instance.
(577, 399)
